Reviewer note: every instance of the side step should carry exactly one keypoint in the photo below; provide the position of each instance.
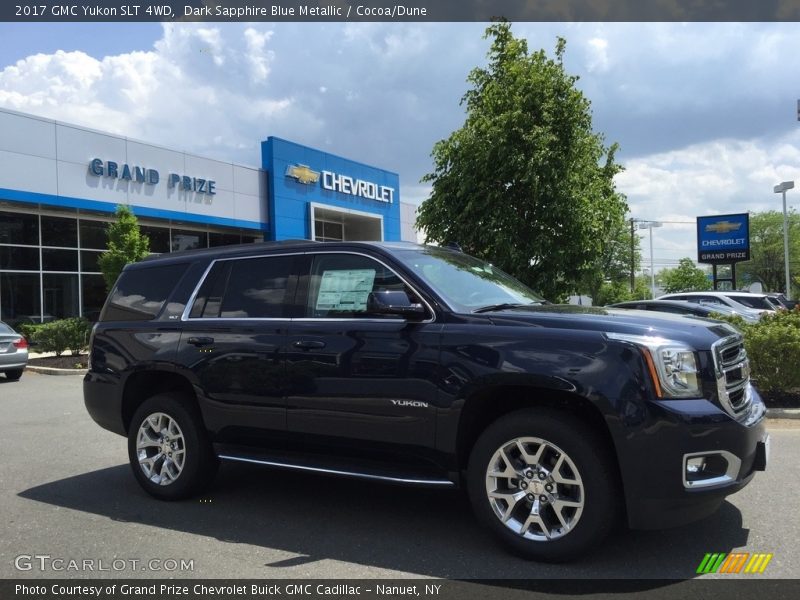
(339, 468)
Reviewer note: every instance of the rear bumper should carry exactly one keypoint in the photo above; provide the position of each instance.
(654, 463)
(102, 400)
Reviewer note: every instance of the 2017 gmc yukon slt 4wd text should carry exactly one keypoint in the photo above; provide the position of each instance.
(424, 366)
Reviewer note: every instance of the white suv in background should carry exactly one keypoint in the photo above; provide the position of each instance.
(743, 302)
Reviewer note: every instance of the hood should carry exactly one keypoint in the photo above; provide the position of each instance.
(696, 331)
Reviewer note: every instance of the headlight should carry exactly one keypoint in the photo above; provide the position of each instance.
(673, 365)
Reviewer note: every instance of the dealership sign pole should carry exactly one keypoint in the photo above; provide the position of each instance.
(723, 240)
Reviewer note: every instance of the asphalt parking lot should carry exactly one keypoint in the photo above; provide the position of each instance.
(66, 492)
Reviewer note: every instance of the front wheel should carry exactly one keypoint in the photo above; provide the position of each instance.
(545, 484)
(169, 449)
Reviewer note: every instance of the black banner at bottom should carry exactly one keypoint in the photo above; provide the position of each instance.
(373, 589)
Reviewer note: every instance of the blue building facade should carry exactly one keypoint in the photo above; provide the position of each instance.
(320, 196)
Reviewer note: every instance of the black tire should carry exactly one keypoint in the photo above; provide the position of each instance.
(14, 374)
(199, 464)
(596, 484)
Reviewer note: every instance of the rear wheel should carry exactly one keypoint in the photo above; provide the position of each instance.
(544, 482)
(169, 449)
(14, 374)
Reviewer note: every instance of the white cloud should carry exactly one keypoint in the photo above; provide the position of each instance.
(716, 177)
(597, 55)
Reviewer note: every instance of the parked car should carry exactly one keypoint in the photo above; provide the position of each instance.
(681, 307)
(423, 366)
(13, 352)
(742, 302)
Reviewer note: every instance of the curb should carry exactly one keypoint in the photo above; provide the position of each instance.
(53, 371)
(783, 413)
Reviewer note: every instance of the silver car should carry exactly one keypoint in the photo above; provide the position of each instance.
(13, 352)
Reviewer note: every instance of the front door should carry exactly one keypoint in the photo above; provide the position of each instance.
(358, 380)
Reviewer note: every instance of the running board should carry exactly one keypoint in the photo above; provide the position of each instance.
(373, 475)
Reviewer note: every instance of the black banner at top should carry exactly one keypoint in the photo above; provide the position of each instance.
(398, 10)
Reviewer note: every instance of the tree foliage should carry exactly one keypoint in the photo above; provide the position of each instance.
(525, 183)
(126, 244)
(686, 277)
(766, 262)
(609, 277)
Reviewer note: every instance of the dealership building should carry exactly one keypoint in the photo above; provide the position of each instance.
(60, 185)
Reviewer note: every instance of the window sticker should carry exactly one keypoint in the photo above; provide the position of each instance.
(345, 290)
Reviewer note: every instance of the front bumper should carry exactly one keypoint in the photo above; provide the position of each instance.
(653, 463)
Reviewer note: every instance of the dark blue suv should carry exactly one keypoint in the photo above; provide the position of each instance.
(424, 366)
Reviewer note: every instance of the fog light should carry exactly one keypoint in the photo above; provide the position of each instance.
(695, 465)
(706, 469)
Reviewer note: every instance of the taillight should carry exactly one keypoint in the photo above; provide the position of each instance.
(20, 344)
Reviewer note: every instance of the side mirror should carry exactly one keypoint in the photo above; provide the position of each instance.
(394, 302)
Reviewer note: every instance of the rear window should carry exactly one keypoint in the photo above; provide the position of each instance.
(249, 288)
(753, 301)
(140, 294)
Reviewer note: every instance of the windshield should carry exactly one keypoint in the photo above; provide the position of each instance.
(760, 302)
(464, 282)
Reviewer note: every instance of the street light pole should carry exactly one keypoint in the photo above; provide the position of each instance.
(649, 225)
(781, 188)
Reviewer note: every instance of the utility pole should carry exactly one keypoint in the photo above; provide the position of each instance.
(633, 257)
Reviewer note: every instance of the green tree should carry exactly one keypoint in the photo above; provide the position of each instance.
(620, 291)
(609, 274)
(766, 262)
(525, 183)
(126, 244)
(686, 277)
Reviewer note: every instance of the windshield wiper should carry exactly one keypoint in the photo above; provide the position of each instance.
(502, 306)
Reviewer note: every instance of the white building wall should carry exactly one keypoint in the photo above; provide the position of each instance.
(408, 215)
(42, 156)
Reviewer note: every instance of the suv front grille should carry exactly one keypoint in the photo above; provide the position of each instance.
(732, 371)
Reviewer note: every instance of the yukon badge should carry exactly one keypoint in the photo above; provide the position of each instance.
(410, 403)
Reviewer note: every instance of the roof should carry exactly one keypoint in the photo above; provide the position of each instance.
(247, 249)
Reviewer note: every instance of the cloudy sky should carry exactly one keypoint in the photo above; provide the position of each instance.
(705, 113)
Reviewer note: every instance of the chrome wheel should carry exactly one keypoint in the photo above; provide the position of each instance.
(160, 448)
(534, 489)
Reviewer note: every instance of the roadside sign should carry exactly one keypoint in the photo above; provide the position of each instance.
(723, 239)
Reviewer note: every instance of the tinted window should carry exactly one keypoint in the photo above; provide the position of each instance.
(256, 289)
(340, 283)
(93, 234)
(18, 228)
(159, 238)
(20, 298)
(140, 293)
(223, 239)
(188, 240)
(59, 231)
(16, 258)
(59, 260)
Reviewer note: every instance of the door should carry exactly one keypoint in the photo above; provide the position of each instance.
(234, 344)
(359, 380)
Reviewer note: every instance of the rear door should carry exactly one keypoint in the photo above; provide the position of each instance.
(234, 345)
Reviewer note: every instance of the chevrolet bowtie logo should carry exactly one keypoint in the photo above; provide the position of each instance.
(303, 174)
(723, 227)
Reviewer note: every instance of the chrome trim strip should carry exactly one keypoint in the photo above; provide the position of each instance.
(193, 297)
(734, 464)
(356, 474)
